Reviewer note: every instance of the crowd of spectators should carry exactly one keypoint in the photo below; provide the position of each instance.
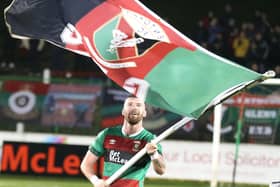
(251, 43)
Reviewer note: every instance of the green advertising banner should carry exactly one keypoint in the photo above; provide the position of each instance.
(39, 106)
(261, 116)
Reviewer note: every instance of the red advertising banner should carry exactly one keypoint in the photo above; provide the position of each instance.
(42, 159)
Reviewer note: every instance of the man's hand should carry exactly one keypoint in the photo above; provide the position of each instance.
(151, 148)
(157, 159)
(100, 183)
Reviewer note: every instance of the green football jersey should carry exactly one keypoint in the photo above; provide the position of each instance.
(117, 149)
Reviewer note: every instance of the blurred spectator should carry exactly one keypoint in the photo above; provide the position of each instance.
(240, 46)
(227, 20)
(213, 31)
(229, 37)
(218, 45)
(250, 30)
(202, 32)
(201, 35)
(254, 66)
(274, 55)
(261, 23)
(207, 19)
(259, 51)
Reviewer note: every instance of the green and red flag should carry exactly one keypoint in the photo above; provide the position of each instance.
(135, 48)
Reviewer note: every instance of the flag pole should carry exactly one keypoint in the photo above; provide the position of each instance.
(142, 152)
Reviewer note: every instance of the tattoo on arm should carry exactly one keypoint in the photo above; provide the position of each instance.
(158, 163)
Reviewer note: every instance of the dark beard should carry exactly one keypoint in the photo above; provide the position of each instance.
(133, 120)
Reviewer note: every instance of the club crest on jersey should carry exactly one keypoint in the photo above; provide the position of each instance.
(136, 146)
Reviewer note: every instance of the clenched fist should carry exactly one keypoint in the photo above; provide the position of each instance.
(151, 148)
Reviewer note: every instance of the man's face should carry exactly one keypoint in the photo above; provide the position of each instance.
(134, 110)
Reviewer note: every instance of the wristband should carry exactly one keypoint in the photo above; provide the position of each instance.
(154, 156)
(93, 179)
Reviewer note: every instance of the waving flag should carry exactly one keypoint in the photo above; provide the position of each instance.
(135, 48)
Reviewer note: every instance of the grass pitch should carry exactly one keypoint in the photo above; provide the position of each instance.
(36, 181)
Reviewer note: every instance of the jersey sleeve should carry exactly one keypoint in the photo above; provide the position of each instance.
(97, 145)
(159, 148)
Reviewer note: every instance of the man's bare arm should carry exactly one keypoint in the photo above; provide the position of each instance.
(87, 168)
(158, 164)
(157, 159)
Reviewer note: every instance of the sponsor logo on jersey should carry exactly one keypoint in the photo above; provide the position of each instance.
(115, 156)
